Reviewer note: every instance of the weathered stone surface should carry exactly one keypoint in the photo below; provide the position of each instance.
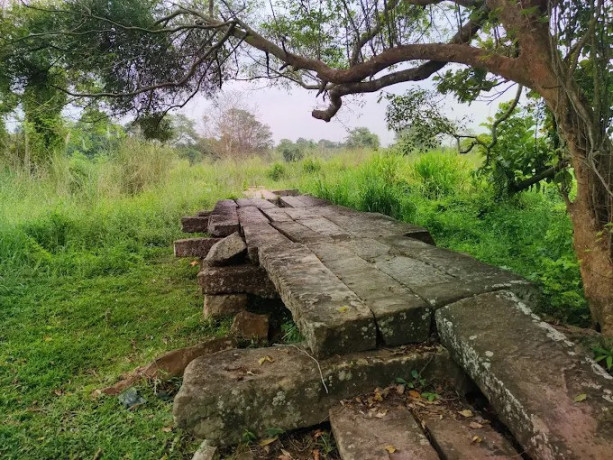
(194, 247)
(302, 201)
(297, 232)
(277, 215)
(216, 306)
(223, 220)
(261, 235)
(206, 451)
(259, 203)
(282, 387)
(203, 213)
(396, 435)
(251, 215)
(555, 400)
(262, 193)
(324, 227)
(287, 192)
(401, 316)
(455, 438)
(250, 326)
(291, 202)
(329, 315)
(227, 251)
(237, 279)
(194, 224)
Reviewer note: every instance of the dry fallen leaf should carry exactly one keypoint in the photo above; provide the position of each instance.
(167, 429)
(343, 309)
(475, 425)
(466, 413)
(193, 263)
(400, 389)
(316, 455)
(265, 359)
(581, 397)
(414, 394)
(390, 449)
(267, 441)
(381, 414)
(285, 455)
(476, 439)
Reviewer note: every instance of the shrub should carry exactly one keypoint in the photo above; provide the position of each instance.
(276, 171)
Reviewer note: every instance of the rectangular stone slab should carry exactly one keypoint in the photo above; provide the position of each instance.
(373, 225)
(297, 232)
(452, 435)
(194, 224)
(251, 215)
(238, 279)
(292, 202)
(194, 247)
(257, 202)
(328, 314)
(261, 235)
(360, 437)
(282, 387)
(223, 220)
(555, 400)
(277, 215)
(401, 316)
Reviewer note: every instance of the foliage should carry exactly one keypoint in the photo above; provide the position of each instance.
(290, 151)
(277, 171)
(604, 356)
(362, 138)
(418, 121)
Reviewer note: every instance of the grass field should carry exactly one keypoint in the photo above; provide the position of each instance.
(89, 288)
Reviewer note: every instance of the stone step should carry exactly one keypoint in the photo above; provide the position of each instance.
(237, 279)
(223, 220)
(261, 235)
(329, 315)
(195, 224)
(401, 316)
(194, 247)
(394, 435)
(555, 400)
(283, 387)
(259, 203)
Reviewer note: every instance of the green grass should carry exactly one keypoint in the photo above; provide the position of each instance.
(89, 288)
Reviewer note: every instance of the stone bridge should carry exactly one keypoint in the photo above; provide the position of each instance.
(377, 304)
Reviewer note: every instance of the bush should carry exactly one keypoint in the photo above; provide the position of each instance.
(276, 171)
(439, 174)
(311, 165)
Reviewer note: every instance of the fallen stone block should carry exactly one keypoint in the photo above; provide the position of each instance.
(194, 247)
(227, 251)
(328, 314)
(236, 279)
(223, 220)
(283, 387)
(216, 306)
(203, 213)
(171, 364)
(194, 224)
(557, 402)
(394, 435)
(250, 326)
(259, 203)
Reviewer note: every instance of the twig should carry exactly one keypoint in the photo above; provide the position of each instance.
(323, 382)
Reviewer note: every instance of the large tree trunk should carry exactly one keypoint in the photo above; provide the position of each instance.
(592, 210)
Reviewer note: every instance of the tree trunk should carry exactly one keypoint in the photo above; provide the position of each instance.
(592, 210)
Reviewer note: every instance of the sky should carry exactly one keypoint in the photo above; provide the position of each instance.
(288, 112)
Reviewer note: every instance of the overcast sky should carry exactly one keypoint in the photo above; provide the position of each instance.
(288, 112)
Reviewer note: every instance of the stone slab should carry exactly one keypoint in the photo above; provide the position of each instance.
(261, 235)
(328, 314)
(455, 439)
(297, 232)
(259, 203)
(283, 387)
(277, 215)
(401, 316)
(194, 247)
(291, 202)
(223, 220)
(217, 306)
(227, 251)
(206, 451)
(373, 225)
(250, 326)
(203, 213)
(194, 224)
(555, 400)
(325, 227)
(237, 279)
(396, 435)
